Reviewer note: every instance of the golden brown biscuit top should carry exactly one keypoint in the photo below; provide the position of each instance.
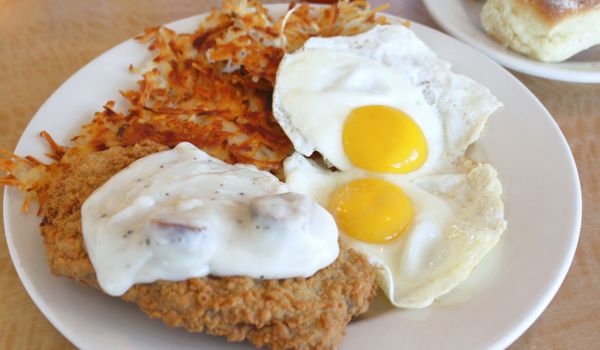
(556, 10)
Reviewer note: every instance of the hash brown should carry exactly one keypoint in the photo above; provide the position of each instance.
(211, 88)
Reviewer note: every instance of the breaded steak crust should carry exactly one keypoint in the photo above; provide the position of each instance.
(292, 313)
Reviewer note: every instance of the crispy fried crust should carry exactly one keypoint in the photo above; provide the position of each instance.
(281, 314)
(61, 212)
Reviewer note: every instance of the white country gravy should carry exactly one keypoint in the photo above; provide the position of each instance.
(179, 214)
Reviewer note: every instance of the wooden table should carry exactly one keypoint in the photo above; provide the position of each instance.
(42, 43)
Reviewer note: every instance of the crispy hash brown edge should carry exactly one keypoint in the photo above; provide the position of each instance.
(212, 88)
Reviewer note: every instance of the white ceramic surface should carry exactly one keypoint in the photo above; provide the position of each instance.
(461, 19)
(508, 291)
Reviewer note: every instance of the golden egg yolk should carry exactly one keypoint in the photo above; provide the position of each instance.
(384, 139)
(371, 210)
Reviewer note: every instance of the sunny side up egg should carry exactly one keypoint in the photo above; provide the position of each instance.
(395, 123)
(380, 101)
(424, 236)
(355, 112)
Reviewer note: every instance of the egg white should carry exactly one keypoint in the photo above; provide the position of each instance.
(318, 85)
(319, 89)
(458, 219)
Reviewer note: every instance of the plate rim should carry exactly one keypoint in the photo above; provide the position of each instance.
(503, 341)
(518, 62)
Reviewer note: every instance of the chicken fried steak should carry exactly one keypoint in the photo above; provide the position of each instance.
(294, 313)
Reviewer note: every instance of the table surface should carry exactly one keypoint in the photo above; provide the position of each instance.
(45, 42)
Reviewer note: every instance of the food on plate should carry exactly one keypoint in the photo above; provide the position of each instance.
(146, 204)
(424, 236)
(395, 122)
(180, 213)
(278, 313)
(545, 30)
(212, 88)
(357, 100)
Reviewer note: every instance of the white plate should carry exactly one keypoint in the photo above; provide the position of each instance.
(509, 291)
(461, 19)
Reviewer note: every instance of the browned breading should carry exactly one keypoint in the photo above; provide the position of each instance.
(61, 212)
(281, 314)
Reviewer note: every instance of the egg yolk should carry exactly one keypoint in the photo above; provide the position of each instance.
(384, 139)
(371, 210)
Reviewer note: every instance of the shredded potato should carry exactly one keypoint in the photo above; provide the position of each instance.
(212, 88)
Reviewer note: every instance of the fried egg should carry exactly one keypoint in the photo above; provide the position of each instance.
(395, 122)
(380, 101)
(424, 237)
